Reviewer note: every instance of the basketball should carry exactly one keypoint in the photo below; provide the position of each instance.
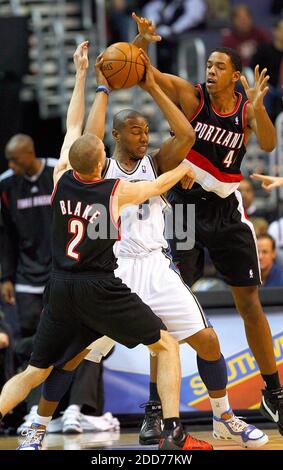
(122, 65)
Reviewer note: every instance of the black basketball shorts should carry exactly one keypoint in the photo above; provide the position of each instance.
(80, 309)
(223, 228)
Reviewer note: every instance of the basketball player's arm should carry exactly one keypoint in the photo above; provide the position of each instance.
(76, 110)
(257, 117)
(97, 116)
(181, 92)
(268, 182)
(136, 193)
(173, 150)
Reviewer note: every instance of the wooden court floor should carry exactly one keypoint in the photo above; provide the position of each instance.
(127, 440)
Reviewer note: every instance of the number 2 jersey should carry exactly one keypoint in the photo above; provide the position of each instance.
(142, 226)
(219, 148)
(83, 229)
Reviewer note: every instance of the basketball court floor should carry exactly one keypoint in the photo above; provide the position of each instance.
(128, 440)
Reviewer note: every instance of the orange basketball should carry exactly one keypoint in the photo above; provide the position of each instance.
(122, 65)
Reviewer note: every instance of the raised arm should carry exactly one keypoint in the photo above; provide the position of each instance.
(181, 92)
(257, 117)
(76, 110)
(174, 149)
(96, 119)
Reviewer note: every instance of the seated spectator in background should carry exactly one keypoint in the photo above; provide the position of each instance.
(271, 272)
(173, 19)
(260, 225)
(276, 227)
(243, 35)
(276, 231)
(247, 191)
(270, 55)
(218, 13)
(119, 12)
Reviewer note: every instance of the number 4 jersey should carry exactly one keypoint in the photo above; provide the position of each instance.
(142, 226)
(219, 149)
(83, 229)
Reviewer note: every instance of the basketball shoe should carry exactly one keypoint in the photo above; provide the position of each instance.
(34, 437)
(272, 406)
(28, 420)
(179, 440)
(150, 432)
(71, 420)
(237, 430)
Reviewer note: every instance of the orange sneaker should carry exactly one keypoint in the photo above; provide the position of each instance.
(179, 440)
(191, 443)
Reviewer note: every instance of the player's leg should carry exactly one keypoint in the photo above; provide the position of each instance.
(213, 372)
(19, 386)
(53, 389)
(124, 317)
(184, 317)
(260, 341)
(168, 384)
(240, 269)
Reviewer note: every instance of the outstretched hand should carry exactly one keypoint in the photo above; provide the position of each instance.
(80, 56)
(100, 78)
(257, 92)
(146, 28)
(268, 182)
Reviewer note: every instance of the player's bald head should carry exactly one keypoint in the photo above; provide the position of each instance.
(20, 154)
(19, 143)
(120, 119)
(86, 153)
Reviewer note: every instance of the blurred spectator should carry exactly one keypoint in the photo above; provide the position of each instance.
(247, 191)
(218, 13)
(119, 12)
(172, 20)
(276, 231)
(270, 55)
(25, 205)
(260, 225)
(271, 273)
(244, 36)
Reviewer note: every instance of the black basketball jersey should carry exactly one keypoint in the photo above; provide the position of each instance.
(219, 149)
(83, 229)
(26, 212)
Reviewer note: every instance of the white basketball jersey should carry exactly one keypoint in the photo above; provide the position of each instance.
(142, 226)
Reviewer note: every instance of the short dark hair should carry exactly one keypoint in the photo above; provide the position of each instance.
(121, 117)
(234, 57)
(269, 237)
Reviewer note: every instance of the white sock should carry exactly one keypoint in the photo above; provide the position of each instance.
(42, 420)
(220, 406)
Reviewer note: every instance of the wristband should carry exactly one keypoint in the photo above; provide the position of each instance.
(102, 88)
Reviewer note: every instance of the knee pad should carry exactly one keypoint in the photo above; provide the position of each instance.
(213, 373)
(57, 384)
